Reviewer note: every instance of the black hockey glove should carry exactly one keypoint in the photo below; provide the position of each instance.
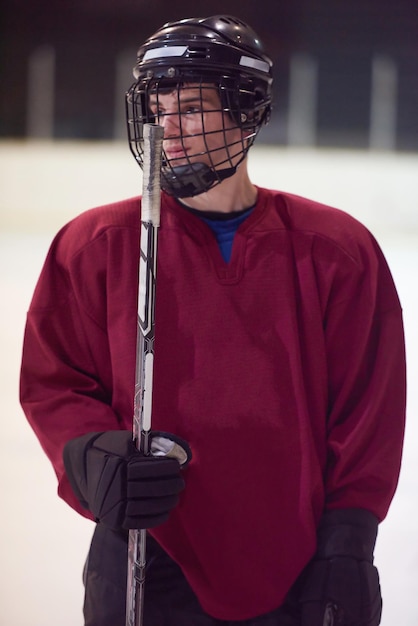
(341, 585)
(119, 485)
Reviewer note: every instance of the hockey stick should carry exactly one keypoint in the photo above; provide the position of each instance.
(150, 222)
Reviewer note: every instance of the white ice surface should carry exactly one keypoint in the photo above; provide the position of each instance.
(43, 543)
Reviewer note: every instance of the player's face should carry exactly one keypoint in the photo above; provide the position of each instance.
(195, 128)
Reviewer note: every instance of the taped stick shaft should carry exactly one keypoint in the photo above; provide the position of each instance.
(151, 181)
(150, 222)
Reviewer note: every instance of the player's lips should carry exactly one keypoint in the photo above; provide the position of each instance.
(174, 152)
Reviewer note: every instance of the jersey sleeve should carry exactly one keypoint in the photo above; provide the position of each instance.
(366, 373)
(65, 385)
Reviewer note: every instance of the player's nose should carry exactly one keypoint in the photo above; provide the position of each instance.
(171, 124)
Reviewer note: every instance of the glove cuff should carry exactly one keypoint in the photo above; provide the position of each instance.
(75, 451)
(171, 446)
(347, 532)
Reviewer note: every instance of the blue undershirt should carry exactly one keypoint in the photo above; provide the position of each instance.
(224, 227)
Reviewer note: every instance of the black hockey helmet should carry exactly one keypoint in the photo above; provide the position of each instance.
(221, 51)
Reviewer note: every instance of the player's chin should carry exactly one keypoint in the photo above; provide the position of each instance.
(187, 161)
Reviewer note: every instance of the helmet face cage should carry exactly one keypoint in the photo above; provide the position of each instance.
(227, 106)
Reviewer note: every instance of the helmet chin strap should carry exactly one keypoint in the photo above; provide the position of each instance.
(185, 181)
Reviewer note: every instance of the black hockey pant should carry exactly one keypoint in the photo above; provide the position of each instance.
(169, 600)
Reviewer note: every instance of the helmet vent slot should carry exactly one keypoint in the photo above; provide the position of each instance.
(228, 19)
(197, 52)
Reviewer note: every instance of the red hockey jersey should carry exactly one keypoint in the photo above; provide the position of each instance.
(284, 369)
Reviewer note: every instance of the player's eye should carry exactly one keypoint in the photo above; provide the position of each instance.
(194, 109)
(157, 112)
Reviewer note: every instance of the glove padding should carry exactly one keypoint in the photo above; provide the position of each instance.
(340, 586)
(120, 486)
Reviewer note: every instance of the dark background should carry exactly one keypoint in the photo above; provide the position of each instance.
(89, 36)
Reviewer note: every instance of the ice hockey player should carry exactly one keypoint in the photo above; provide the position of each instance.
(279, 361)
